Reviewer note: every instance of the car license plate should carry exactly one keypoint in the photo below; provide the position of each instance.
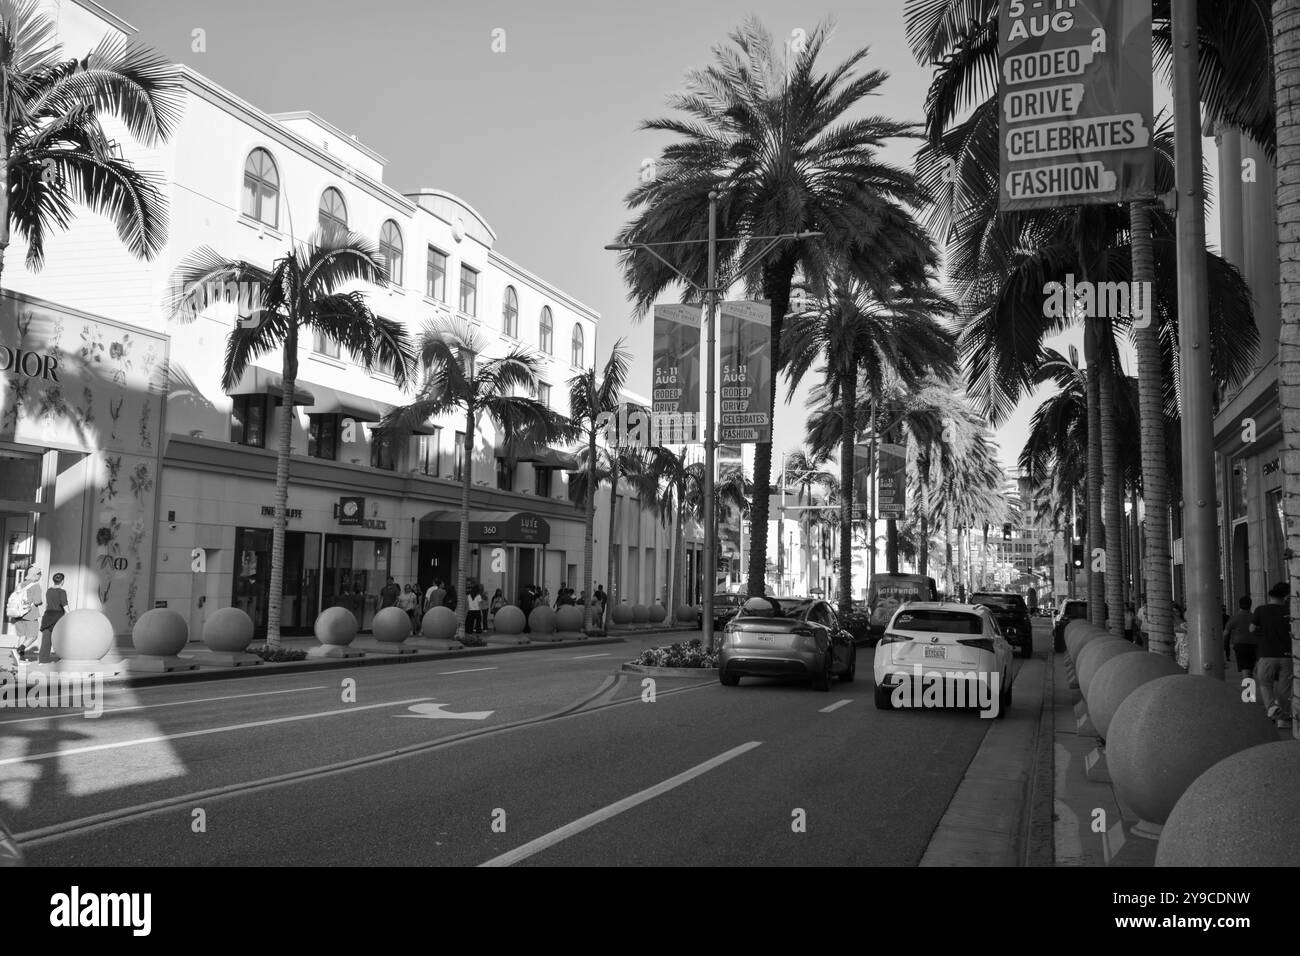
(767, 638)
(936, 652)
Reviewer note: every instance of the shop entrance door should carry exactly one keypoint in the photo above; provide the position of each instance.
(20, 483)
(299, 604)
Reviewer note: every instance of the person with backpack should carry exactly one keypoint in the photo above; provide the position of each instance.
(24, 608)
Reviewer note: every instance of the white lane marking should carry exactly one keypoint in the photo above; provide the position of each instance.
(202, 733)
(435, 711)
(468, 670)
(835, 706)
(170, 703)
(585, 657)
(614, 809)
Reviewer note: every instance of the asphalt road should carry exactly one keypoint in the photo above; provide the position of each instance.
(552, 760)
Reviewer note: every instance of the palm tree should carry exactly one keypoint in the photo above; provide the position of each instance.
(300, 294)
(861, 338)
(590, 396)
(779, 142)
(55, 151)
(1286, 56)
(669, 470)
(810, 482)
(457, 379)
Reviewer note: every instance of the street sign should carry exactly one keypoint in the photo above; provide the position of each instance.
(676, 389)
(746, 391)
(1074, 103)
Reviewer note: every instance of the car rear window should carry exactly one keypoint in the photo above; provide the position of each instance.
(761, 607)
(937, 621)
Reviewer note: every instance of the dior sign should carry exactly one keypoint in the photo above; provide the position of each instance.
(28, 364)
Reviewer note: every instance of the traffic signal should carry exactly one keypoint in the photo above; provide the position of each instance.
(1078, 555)
(1006, 531)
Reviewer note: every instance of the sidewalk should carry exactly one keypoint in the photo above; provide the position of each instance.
(119, 657)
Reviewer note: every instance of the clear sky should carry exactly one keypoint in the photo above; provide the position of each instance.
(542, 138)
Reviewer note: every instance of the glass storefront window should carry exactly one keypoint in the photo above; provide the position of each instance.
(1276, 537)
(1239, 491)
(299, 602)
(355, 571)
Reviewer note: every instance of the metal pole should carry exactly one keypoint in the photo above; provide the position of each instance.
(1200, 520)
(711, 293)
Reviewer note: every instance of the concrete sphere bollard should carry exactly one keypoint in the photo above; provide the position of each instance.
(1171, 730)
(640, 614)
(228, 631)
(336, 627)
(569, 618)
(1096, 653)
(438, 624)
(1078, 634)
(160, 632)
(83, 635)
(509, 620)
(658, 613)
(391, 625)
(621, 614)
(1118, 677)
(687, 614)
(542, 620)
(1243, 811)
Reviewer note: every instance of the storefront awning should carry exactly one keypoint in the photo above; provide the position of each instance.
(258, 381)
(503, 527)
(331, 401)
(542, 456)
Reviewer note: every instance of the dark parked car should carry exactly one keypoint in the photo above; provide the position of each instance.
(786, 636)
(1070, 611)
(725, 607)
(1012, 615)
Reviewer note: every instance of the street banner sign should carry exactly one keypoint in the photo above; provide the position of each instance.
(676, 395)
(746, 391)
(891, 491)
(862, 468)
(1074, 103)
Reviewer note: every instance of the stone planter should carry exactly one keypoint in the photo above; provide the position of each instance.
(159, 636)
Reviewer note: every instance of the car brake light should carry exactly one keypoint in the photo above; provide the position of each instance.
(979, 643)
(893, 638)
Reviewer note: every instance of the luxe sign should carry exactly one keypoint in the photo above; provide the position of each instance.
(1074, 102)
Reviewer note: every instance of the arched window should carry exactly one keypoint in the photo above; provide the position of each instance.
(262, 188)
(510, 313)
(576, 357)
(546, 331)
(333, 211)
(390, 250)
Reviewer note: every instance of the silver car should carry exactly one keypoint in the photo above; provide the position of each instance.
(786, 636)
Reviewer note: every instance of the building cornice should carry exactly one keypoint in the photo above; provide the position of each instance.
(107, 16)
(541, 285)
(332, 130)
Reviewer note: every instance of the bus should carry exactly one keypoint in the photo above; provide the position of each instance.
(888, 592)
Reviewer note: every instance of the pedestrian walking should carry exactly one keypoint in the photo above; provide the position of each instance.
(435, 595)
(601, 600)
(1130, 623)
(1238, 639)
(498, 602)
(56, 605)
(24, 609)
(409, 602)
(1272, 627)
(389, 594)
(1140, 622)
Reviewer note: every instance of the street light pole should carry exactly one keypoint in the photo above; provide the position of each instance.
(1200, 511)
(710, 448)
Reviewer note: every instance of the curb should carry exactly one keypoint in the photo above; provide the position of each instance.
(698, 673)
(985, 824)
(370, 660)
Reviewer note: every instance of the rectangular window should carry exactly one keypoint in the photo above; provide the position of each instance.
(428, 452)
(323, 437)
(505, 475)
(468, 290)
(460, 456)
(323, 345)
(542, 482)
(435, 286)
(248, 420)
(381, 450)
(544, 393)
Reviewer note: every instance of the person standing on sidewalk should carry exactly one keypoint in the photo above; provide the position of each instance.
(1272, 627)
(56, 605)
(1130, 624)
(1237, 638)
(1140, 622)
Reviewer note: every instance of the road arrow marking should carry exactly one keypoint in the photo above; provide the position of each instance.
(435, 712)
(835, 706)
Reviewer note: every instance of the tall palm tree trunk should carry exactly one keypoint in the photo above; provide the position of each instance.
(777, 278)
(679, 545)
(923, 548)
(4, 197)
(1113, 490)
(462, 553)
(1096, 582)
(1157, 577)
(847, 435)
(588, 551)
(1286, 79)
(614, 594)
(289, 376)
